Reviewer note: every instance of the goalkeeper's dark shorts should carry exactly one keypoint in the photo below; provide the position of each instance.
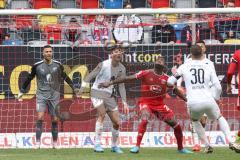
(42, 104)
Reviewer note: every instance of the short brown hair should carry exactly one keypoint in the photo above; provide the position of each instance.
(196, 51)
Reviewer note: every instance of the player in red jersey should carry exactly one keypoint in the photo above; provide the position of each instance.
(153, 91)
(231, 70)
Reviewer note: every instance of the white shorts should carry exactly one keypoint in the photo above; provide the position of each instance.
(197, 110)
(109, 103)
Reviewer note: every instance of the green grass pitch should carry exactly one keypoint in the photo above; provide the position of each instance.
(88, 154)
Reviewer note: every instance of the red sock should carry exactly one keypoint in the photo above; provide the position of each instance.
(179, 136)
(238, 133)
(141, 130)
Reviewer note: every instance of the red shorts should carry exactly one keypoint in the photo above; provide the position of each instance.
(162, 112)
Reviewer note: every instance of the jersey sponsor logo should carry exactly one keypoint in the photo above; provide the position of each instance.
(49, 78)
(156, 88)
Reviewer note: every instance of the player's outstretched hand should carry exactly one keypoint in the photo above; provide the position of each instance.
(125, 108)
(229, 89)
(104, 85)
(19, 96)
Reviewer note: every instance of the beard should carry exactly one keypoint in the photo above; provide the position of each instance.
(159, 66)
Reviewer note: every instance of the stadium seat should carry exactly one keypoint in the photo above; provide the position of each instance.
(2, 4)
(66, 4)
(183, 4)
(237, 3)
(138, 3)
(172, 18)
(207, 3)
(24, 21)
(15, 4)
(113, 4)
(86, 4)
(178, 30)
(37, 4)
(159, 3)
(53, 33)
(47, 19)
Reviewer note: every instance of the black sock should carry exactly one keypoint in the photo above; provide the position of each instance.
(38, 130)
(54, 131)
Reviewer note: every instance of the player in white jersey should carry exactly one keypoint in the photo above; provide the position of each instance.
(104, 99)
(203, 119)
(201, 96)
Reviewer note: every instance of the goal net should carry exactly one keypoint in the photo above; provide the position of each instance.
(80, 39)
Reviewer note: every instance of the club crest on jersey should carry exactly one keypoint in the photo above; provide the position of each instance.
(54, 68)
(156, 88)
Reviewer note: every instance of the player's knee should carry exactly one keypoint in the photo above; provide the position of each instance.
(40, 117)
(116, 125)
(101, 117)
(145, 116)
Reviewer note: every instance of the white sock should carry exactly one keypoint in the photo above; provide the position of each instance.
(194, 135)
(115, 135)
(201, 132)
(98, 132)
(225, 128)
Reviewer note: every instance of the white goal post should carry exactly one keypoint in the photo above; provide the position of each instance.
(118, 11)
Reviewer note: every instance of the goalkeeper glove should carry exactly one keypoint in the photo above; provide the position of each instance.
(19, 96)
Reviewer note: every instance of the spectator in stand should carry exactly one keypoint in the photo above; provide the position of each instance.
(229, 23)
(163, 32)
(73, 35)
(128, 28)
(232, 39)
(99, 30)
(12, 38)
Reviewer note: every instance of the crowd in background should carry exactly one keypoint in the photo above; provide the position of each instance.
(140, 29)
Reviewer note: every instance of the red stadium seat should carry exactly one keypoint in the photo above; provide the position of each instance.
(53, 33)
(86, 4)
(159, 3)
(237, 2)
(37, 4)
(23, 21)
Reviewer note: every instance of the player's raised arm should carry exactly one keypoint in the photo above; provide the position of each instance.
(67, 79)
(30, 76)
(124, 79)
(173, 79)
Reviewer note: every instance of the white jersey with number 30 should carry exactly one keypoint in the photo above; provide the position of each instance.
(198, 75)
